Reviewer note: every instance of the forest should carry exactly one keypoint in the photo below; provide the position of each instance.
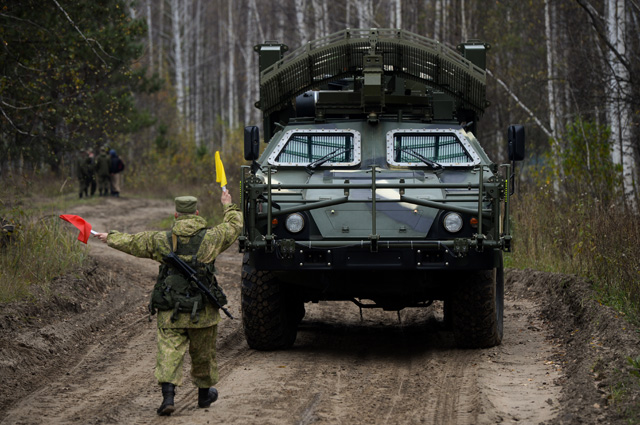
(167, 83)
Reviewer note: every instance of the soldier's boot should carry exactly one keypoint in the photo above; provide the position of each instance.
(168, 392)
(206, 396)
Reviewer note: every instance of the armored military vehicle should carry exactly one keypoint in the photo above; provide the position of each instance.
(373, 187)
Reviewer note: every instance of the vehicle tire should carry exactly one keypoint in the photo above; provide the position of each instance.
(270, 315)
(477, 308)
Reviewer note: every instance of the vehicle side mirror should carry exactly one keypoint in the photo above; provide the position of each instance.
(251, 143)
(515, 137)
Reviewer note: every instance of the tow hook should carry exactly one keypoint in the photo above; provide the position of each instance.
(268, 243)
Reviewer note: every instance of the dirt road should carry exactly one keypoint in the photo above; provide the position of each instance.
(346, 367)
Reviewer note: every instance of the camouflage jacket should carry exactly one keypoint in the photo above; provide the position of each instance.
(154, 244)
(102, 165)
(84, 168)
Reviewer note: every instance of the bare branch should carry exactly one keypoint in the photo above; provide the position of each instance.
(80, 32)
(24, 107)
(592, 15)
(634, 4)
(522, 105)
(12, 124)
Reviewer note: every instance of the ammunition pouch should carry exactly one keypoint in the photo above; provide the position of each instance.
(173, 291)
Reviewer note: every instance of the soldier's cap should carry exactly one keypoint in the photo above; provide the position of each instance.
(186, 204)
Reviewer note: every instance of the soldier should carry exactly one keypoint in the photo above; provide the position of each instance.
(84, 170)
(115, 168)
(92, 173)
(195, 326)
(102, 169)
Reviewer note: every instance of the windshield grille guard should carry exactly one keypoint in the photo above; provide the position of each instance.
(484, 194)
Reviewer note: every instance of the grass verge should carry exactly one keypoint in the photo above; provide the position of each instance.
(584, 236)
(38, 250)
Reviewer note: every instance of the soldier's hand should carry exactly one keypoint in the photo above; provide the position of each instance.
(225, 198)
(102, 236)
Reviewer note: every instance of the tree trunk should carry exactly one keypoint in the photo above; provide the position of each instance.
(437, 20)
(176, 27)
(198, 86)
(618, 108)
(319, 17)
(365, 14)
(150, 35)
(161, 43)
(231, 68)
(187, 61)
(248, 55)
(551, 90)
(302, 28)
(463, 21)
(397, 13)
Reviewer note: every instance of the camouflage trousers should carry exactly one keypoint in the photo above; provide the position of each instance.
(83, 186)
(104, 184)
(172, 346)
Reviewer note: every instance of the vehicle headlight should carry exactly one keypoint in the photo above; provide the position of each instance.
(294, 222)
(452, 222)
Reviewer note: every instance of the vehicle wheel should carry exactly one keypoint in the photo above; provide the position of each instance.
(270, 315)
(477, 307)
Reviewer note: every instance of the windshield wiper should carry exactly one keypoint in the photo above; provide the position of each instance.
(318, 162)
(422, 158)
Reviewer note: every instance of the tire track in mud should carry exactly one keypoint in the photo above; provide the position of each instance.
(340, 370)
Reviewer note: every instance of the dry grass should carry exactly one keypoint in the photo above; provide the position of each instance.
(40, 249)
(579, 234)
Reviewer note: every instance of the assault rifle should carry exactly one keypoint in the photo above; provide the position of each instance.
(191, 275)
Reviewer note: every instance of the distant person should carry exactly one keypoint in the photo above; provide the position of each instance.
(92, 171)
(115, 168)
(84, 170)
(194, 326)
(103, 165)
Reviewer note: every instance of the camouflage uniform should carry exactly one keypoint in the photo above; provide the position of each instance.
(84, 171)
(175, 336)
(102, 169)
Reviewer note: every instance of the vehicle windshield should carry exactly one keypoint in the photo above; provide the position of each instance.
(308, 147)
(446, 148)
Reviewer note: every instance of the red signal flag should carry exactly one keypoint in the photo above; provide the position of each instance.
(81, 224)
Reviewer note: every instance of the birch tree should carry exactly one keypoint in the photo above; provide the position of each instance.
(178, 58)
(437, 20)
(365, 13)
(231, 69)
(551, 89)
(150, 35)
(618, 110)
(161, 33)
(248, 55)
(300, 6)
(463, 21)
(320, 14)
(397, 9)
(198, 80)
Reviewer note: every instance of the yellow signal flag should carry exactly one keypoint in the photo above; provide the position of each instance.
(220, 175)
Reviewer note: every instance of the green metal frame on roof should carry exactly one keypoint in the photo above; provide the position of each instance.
(341, 55)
